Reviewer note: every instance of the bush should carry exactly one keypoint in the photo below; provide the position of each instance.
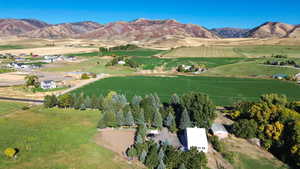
(85, 76)
(245, 128)
(229, 156)
(10, 152)
(217, 145)
(25, 108)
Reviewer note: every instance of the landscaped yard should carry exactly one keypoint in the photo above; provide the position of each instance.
(223, 91)
(55, 139)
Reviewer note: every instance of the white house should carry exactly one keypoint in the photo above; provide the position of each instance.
(219, 130)
(196, 137)
(48, 84)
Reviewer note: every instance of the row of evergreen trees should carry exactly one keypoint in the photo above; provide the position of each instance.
(191, 109)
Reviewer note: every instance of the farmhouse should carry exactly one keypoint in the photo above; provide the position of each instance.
(196, 137)
(219, 130)
(48, 84)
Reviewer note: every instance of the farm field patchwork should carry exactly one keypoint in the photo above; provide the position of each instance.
(150, 63)
(268, 50)
(55, 138)
(137, 52)
(8, 47)
(222, 90)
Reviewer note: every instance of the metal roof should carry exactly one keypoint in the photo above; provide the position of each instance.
(217, 127)
(196, 137)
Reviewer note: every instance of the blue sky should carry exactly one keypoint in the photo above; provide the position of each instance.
(208, 13)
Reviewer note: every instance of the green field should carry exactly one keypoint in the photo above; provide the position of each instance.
(7, 47)
(150, 63)
(55, 139)
(251, 69)
(137, 52)
(223, 91)
(5, 70)
(10, 107)
(235, 51)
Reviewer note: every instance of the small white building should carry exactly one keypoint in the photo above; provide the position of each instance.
(48, 84)
(297, 77)
(121, 62)
(219, 130)
(196, 137)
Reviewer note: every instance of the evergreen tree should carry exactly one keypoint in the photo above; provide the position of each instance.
(161, 165)
(143, 155)
(120, 118)
(50, 101)
(102, 123)
(94, 102)
(173, 127)
(168, 120)
(152, 158)
(110, 119)
(182, 166)
(157, 120)
(161, 154)
(136, 100)
(139, 139)
(185, 120)
(129, 121)
(140, 118)
(82, 107)
(175, 99)
(88, 102)
(147, 106)
(142, 130)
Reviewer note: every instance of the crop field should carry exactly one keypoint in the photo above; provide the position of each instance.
(149, 63)
(234, 51)
(202, 51)
(7, 47)
(55, 138)
(268, 50)
(252, 69)
(223, 91)
(137, 52)
(9, 107)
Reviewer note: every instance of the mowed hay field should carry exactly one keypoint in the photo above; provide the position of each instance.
(223, 91)
(203, 51)
(234, 51)
(55, 139)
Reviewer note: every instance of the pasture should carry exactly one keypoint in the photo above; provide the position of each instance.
(222, 90)
(8, 47)
(149, 63)
(136, 52)
(55, 138)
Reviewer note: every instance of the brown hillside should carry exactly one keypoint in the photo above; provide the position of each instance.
(271, 30)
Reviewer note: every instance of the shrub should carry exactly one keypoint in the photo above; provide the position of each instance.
(217, 145)
(245, 128)
(10, 152)
(25, 108)
(85, 76)
(230, 156)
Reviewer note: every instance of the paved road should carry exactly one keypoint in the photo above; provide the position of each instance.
(22, 100)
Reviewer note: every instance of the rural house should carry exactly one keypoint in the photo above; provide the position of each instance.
(196, 137)
(219, 130)
(48, 84)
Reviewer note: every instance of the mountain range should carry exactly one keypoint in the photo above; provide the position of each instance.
(139, 30)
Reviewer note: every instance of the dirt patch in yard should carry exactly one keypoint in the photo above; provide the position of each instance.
(117, 140)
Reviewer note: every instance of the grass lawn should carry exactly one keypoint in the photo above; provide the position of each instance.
(5, 70)
(55, 139)
(136, 52)
(150, 63)
(222, 90)
(10, 107)
(252, 69)
(246, 162)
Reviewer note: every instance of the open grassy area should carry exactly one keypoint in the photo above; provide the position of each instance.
(5, 70)
(7, 47)
(246, 162)
(223, 91)
(268, 50)
(91, 64)
(136, 52)
(10, 107)
(150, 63)
(55, 139)
(251, 69)
(203, 51)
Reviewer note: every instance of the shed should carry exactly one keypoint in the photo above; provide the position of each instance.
(196, 137)
(48, 84)
(219, 130)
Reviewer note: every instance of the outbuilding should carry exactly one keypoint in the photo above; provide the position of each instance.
(219, 130)
(48, 84)
(196, 137)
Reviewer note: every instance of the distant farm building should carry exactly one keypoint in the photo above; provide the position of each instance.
(297, 77)
(48, 84)
(219, 130)
(196, 137)
(280, 76)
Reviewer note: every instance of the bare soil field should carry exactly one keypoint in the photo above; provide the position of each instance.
(117, 140)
